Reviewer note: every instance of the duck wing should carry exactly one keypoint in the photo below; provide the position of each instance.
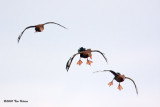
(133, 83)
(114, 73)
(100, 53)
(70, 61)
(54, 23)
(19, 37)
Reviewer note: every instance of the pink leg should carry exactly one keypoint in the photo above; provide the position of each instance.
(89, 62)
(79, 62)
(110, 83)
(120, 87)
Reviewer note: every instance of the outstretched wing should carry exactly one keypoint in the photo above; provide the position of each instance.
(100, 53)
(54, 23)
(133, 83)
(19, 37)
(70, 61)
(114, 73)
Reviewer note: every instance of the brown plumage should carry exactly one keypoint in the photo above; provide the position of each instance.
(84, 53)
(119, 78)
(38, 28)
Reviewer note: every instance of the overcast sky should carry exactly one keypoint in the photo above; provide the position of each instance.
(127, 31)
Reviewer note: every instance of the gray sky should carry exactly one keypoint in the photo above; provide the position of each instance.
(34, 70)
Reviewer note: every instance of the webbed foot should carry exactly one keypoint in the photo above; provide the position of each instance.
(79, 62)
(110, 83)
(120, 87)
(89, 62)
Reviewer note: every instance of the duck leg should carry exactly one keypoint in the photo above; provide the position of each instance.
(89, 62)
(120, 87)
(90, 56)
(79, 62)
(110, 83)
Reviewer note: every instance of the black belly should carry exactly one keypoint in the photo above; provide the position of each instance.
(84, 55)
(119, 79)
(37, 29)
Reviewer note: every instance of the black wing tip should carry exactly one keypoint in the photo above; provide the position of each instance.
(19, 37)
(67, 68)
(67, 65)
(18, 40)
(136, 91)
(134, 84)
(64, 27)
(103, 54)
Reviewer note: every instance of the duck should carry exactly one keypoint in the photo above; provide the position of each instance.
(38, 28)
(84, 53)
(119, 78)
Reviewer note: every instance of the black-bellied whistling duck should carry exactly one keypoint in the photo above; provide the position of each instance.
(38, 28)
(119, 78)
(84, 53)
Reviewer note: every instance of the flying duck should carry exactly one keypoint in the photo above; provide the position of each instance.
(84, 53)
(38, 28)
(119, 78)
